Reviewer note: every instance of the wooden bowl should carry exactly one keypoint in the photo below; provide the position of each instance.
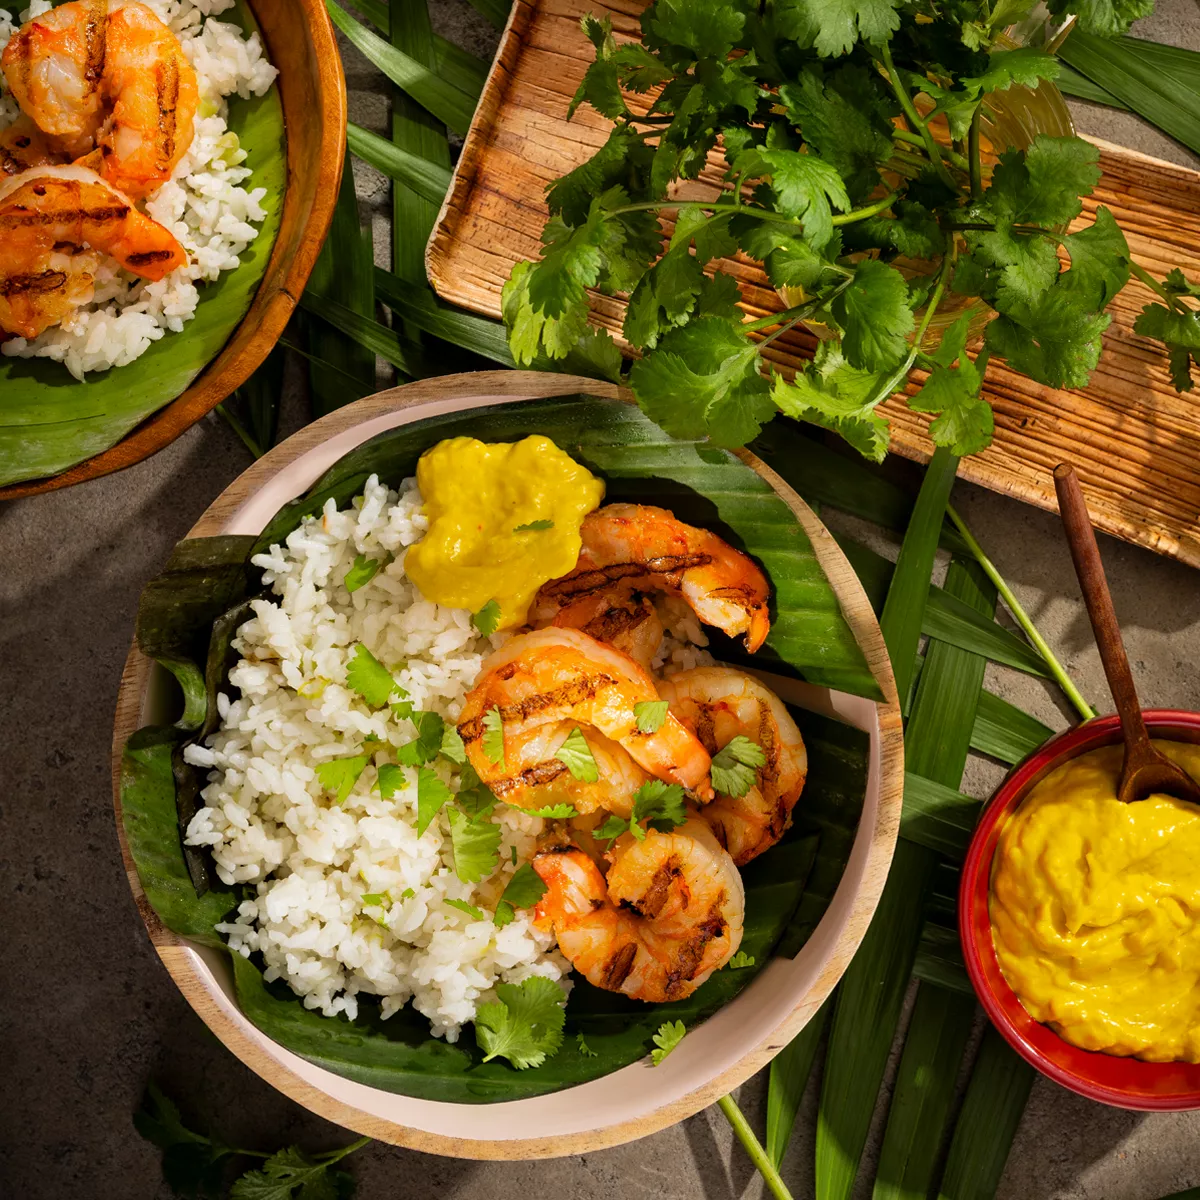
(633, 1101)
(1107, 1078)
(300, 41)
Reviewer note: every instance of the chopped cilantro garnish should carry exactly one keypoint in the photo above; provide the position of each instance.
(650, 715)
(364, 570)
(367, 676)
(391, 780)
(525, 888)
(425, 746)
(659, 803)
(402, 710)
(525, 1025)
(469, 909)
(407, 894)
(493, 737)
(476, 846)
(576, 754)
(584, 1048)
(452, 746)
(613, 827)
(487, 619)
(474, 797)
(734, 766)
(513, 850)
(432, 795)
(740, 960)
(554, 812)
(504, 914)
(534, 526)
(669, 1035)
(341, 774)
(376, 899)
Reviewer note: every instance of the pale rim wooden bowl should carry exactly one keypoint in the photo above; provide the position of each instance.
(300, 41)
(636, 1100)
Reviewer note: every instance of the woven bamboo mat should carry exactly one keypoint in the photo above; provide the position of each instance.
(1135, 442)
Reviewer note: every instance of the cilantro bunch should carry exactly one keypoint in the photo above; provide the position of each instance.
(850, 140)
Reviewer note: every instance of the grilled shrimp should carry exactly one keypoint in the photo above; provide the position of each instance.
(532, 777)
(110, 75)
(635, 546)
(718, 704)
(669, 913)
(627, 620)
(556, 675)
(52, 221)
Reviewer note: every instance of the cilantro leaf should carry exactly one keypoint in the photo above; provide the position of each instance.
(734, 766)
(1181, 333)
(584, 1048)
(1176, 282)
(704, 382)
(1024, 65)
(669, 1035)
(432, 795)
(525, 1024)
(1053, 342)
(428, 742)
(402, 710)
(650, 714)
(505, 914)
(577, 756)
(391, 780)
(376, 899)
(367, 676)
(740, 960)
(1107, 18)
(192, 1164)
(965, 422)
(292, 1173)
(474, 797)
(534, 526)
(833, 26)
(663, 299)
(341, 774)
(554, 812)
(493, 737)
(613, 827)
(525, 888)
(806, 187)
(1099, 262)
(464, 907)
(452, 745)
(363, 571)
(407, 894)
(659, 803)
(475, 844)
(875, 317)
(487, 619)
(709, 28)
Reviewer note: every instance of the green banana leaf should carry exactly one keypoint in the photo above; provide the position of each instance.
(787, 889)
(49, 421)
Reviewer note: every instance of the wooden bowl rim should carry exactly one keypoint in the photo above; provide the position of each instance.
(273, 302)
(174, 950)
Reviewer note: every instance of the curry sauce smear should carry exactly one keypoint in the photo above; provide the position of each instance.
(504, 518)
(1095, 910)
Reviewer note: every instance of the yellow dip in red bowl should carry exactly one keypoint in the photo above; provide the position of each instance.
(1095, 909)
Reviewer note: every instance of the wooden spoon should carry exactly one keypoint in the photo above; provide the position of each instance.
(1146, 771)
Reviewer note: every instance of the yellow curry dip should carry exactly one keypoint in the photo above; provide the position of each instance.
(478, 496)
(1095, 910)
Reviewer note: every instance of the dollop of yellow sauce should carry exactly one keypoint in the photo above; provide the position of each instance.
(478, 496)
(1095, 910)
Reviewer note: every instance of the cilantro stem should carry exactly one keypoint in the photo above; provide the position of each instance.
(871, 210)
(1022, 618)
(913, 117)
(973, 153)
(791, 317)
(337, 1155)
(238, 428)
(754, 1148)
(914, 139)
(761, 214)
(1141, 273)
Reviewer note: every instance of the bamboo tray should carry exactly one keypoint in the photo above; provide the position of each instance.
(1134, 441)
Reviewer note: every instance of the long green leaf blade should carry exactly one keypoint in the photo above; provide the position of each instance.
(939, 959)
(1005, 732)
(459, 67)
(991, 1112)
(342, 279)
(904, 608)
(1169, 99)
(924, 1092)
(1072, 83)
(787, 1079)
(495, 11)
(937, 816)
(420, 308)
(450, 105)
(425, 179)
(371, 336)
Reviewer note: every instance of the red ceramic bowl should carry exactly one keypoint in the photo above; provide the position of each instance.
(1121, 1082)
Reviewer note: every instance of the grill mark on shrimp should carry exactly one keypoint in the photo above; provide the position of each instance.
(167, 81)
(30, 219)
(655, 896)
(583, 583)
(614, 622)
(618, 967)
(545, 772)
(40, 284)
(96, 35)
(691, 950)
(145, 257)
(567, 696)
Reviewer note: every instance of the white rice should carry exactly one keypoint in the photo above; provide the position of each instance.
(309, 861)
(204, 205)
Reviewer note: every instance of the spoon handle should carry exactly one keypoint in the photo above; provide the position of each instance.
(1086, 555)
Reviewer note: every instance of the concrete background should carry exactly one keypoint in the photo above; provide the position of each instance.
(87, 1014)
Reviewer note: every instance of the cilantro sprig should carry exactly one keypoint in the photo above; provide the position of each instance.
(850, 136)
(735, 765)
(656, 803)
(524, 1025)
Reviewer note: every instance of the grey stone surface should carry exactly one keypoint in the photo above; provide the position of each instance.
(87, 1014)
